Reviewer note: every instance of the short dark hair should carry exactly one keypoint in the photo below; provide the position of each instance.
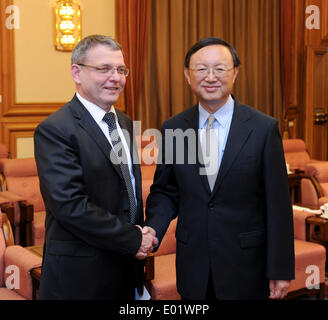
(210, 41)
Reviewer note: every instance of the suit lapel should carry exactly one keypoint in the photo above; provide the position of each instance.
(128, 134)
(87, 122)
(238, 135)
(193, 120)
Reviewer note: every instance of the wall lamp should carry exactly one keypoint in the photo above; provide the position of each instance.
(67, 24)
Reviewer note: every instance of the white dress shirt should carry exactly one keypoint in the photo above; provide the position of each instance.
(97, 114)
(221, 126)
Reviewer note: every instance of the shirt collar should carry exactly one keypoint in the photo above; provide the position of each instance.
(96, 112)
(222, 115)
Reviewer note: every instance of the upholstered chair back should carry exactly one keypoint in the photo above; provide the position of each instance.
(21, 177)
(21, 259)
(306, 254)
(296, 154)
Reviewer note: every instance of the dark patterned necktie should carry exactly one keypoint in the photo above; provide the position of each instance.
(119, 150)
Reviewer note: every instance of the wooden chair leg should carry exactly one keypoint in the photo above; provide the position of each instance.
(26, 228)
(149, 271)
(321, 293)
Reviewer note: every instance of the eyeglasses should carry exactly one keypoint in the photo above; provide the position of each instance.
(122, 71)
(217, 71)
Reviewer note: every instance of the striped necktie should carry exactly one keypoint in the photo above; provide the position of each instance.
(109, 118)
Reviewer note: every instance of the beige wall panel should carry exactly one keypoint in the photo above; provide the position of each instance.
(12, 132)
(24, 147)
(42, 73)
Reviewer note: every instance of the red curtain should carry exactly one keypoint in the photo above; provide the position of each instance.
(287, 10)
(132, 17)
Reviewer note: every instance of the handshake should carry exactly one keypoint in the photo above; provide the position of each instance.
(149, 241)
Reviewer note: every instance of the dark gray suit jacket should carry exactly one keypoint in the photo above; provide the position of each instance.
(243, 230)
(90, 245)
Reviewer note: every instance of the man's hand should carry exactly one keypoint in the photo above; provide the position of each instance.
(278, 288)
(149, 241)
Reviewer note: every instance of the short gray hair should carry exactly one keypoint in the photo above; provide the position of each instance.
(81, 49)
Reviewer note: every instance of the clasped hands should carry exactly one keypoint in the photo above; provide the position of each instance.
(149, 241)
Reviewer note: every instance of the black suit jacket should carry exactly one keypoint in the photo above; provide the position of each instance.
(90, 244)
(243, 230)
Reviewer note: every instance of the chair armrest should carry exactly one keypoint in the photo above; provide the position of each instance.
(315, 184)
(7, 231)
(296, 186)
(17, 201)
(23, 216)
(318, 169)
(299, 218)
(323, 200)
(3, 183)
(9, 210)
(23, 262)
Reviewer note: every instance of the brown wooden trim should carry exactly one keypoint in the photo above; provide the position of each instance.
(7, 231)
(7, 43)
(9, 210)
(13, 130)
(8, 76)
(311, 52)
(324, 22)
(3, 183)
(9, 106)
(33, 109)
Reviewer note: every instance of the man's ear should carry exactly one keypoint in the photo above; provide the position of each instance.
(236, 70)
(187, 74)
(75, 72)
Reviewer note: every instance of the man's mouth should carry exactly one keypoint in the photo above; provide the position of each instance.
(112, 89)
(211, 88)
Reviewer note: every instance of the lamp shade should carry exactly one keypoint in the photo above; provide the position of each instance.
(67, 14)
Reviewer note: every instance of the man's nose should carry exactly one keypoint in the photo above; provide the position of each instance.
(211, 75)
(114, 75)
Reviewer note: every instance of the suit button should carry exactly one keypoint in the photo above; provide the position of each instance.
(211, 206)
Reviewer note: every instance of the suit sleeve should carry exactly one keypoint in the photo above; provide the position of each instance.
(64, 193)
(162, 202)
(280, 237)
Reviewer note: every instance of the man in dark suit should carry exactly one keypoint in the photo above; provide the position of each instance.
(235, 229)
(91, 186)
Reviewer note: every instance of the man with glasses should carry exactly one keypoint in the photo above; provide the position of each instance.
(94, 244)
(235, 228)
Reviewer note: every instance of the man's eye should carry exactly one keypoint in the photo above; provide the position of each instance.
(103, 70)
(219, 69)
(121, 70)
(201, 69)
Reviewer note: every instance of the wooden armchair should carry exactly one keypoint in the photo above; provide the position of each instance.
(160, 268)
(313, 174)
(308, 255)
(18, 213)
(19, 179)
(16, 264)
